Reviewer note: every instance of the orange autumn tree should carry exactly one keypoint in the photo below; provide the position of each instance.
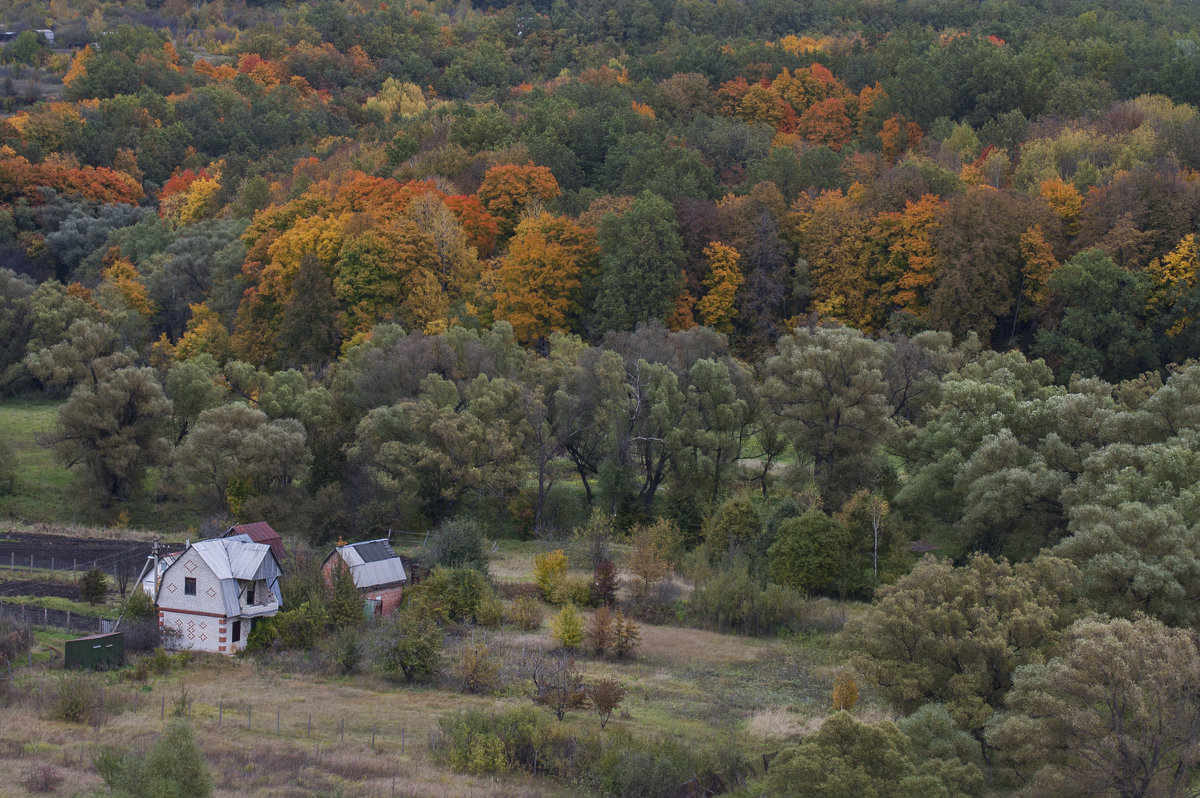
(538, 284)
(908, 237)
(1037, 264)
(508, 190)
(826, 122)
(717, 308)
(832, 233)
(1064, 199)
(395, 251)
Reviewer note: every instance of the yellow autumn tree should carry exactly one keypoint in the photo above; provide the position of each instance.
(1064, 199)
(205, 333)
(1175, 274)
(1037, 264)
(123, 276)
(717, 308)
(908, 235)
(537, 286)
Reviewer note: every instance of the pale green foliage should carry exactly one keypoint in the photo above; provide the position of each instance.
(566, 628)
(955, 635)
(1117, 713)
(1137, 558)
(115, 430)
(550, 573)
(827, 387)
(234, 451)
(174, 767)
(845, 759)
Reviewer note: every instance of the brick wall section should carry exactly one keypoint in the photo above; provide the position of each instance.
(390, 596)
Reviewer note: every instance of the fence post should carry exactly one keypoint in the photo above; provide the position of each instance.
(162, 707)
(276, 721)
(373, 736)
(402, 742)
(342, 730)
(249, 715)
(74, 570)
(51, 563)
(309, 732)
(220, 710)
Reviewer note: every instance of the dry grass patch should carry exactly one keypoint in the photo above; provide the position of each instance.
(780, 724)
(671, 644)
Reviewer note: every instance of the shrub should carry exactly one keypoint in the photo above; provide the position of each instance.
(346, 651)
(734, 525)
(526, 613)
(605, 696)
(8, 474)
(459, 543)
(550, 572)
(15, 640)
(733, 601)
(600, 631)
(139, 607)
(604, 583)
(411, 644)
(625, 636)
(557, 683)
(42, 778)
(647, 564)
(477, 668)
(451, 594)
(301, 627)
(93, 586)
(845, 692)
(592, 542)
(79, 698)
(576, 590)
(490, 612)
(174, 766)
(566, 628)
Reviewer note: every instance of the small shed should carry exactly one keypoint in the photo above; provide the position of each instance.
(95, 651)
(376, 569)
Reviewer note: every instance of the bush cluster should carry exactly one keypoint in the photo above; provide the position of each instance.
(614, 762)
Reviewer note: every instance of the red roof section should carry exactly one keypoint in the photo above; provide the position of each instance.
(260, 532)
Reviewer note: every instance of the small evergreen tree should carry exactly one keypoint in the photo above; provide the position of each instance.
(567, 628)
(93, 587)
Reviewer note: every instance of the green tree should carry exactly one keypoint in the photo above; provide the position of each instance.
(827, 386)
(1117, 713)
(193, 386)
(115, 430)
(342, 598)
(1102, 329)
(1137, 558)
(845, 759)
(174, 767)
(411, 644)
(816, 554)
(641, 258)
(955, 635)
(235, 452)
(93, 586)
(459, 543)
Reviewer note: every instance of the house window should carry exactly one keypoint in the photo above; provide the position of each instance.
(189, 586)
(237, 631)
(250, 594)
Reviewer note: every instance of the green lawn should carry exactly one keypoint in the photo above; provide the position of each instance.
(41, 485)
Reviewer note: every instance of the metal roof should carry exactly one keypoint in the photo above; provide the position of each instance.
(372, 563)
(259, 532)
(238, 557)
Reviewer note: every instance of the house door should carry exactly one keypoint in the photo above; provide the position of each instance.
(237, 631)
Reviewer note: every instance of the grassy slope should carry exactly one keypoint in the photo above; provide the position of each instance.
(40, 493)
(694, 685)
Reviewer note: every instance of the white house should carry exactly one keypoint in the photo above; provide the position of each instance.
(211, 594)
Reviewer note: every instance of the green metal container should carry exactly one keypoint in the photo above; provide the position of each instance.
(96, 651)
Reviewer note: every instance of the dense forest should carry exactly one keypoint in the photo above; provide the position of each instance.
(815, 286)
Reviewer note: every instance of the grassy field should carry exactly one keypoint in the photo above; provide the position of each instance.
(285, 728)
(271, 731)
(42, 484)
